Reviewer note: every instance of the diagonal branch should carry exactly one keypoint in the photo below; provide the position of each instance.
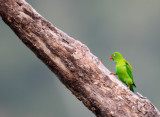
(73, 63)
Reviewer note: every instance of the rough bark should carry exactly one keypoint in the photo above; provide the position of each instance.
(73, 63)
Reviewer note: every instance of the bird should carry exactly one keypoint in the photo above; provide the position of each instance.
(123, 70)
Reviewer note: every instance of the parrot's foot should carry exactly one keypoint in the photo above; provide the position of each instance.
(112, 73)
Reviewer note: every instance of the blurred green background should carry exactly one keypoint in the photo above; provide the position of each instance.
(29, 89)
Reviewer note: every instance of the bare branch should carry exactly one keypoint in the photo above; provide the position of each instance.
(74, 64)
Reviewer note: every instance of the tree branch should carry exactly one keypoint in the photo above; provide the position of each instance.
(73, 63)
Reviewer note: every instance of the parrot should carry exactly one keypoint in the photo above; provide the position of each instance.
(123, 70)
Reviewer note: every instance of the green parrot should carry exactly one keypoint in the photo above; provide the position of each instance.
(123, 70)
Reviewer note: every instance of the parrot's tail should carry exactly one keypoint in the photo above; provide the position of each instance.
(134, 84)
(131, 88)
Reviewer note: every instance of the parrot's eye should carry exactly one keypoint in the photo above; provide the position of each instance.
(114, 55)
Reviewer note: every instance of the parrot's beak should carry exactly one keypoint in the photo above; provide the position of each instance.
(111, 57)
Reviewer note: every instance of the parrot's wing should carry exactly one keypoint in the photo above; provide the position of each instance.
(128, 65)
(129, 70)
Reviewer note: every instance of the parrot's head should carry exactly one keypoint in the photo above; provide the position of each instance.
(116, 56)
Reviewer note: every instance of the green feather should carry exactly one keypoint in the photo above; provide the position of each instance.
(131, 88)
(123, 70)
